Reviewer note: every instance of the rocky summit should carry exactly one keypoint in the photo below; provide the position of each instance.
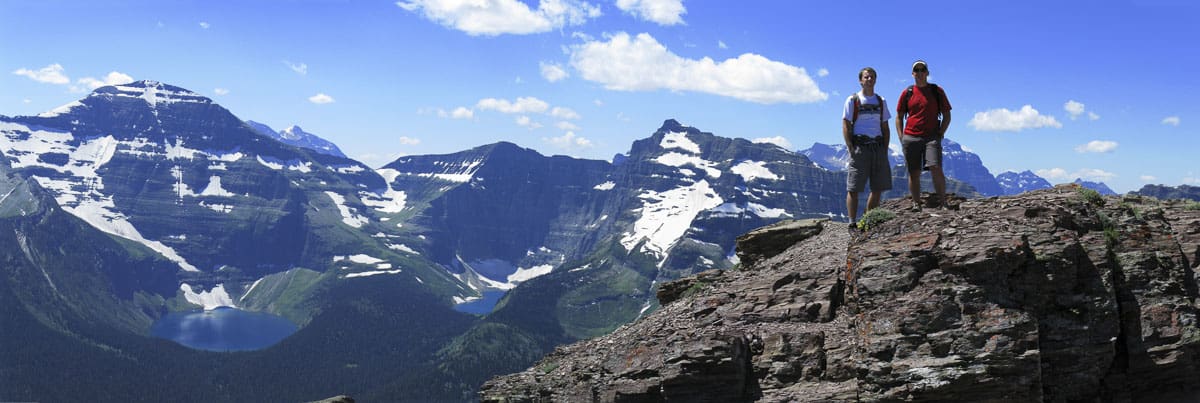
(1054, 295)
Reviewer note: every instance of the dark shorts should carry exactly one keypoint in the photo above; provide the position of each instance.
(869, 162)
(921, 152)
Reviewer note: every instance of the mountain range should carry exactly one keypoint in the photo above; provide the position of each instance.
(146, 198)
(958, 163)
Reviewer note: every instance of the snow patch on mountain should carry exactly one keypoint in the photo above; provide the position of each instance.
(65, 109)
(734, 210)
(212, 299)
(372, 273)
(349, 214)
(391, 200)
(214, 188)
(273, 165)
(665, 217)
(359, 258)
(524, 274)
(680, 141)
(677, 160)
(750, 170)
(605, 186)
(403, 248)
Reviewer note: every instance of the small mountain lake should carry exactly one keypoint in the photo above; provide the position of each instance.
(481, 306)
(223, 329)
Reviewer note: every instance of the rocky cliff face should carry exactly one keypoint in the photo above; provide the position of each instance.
(1046, 296)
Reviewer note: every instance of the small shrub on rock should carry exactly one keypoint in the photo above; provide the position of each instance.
(874, 217)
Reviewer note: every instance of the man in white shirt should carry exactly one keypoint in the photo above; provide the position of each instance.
(866, 133)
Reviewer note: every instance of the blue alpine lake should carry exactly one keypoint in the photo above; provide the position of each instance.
(481, 306)
(223, 329)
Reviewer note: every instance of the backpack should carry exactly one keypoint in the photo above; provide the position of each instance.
(858, 104)
(937, 97)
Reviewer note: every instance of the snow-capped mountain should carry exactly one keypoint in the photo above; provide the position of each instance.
(171, 170)
(294, 135)
(1097, 186)
(1021, 182)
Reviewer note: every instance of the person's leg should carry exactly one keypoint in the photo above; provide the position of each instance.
(914, 186)
(852, 205)
(873, 200)
(933, 162)
(939, 183)
(914, 159)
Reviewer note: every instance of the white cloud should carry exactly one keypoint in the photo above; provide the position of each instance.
(642, 64)
(320, 98)
(299, 68)
(1095, 174)
(568, 126)
(522, 105)
(113, 78)
(220, 91)
(526, 122)
(462, 113)
(52, 74)
(498, 17)
(564, 113)
(1148, 178)
(777, 140)
(1054, 174)
(1171, 120)
(822, 72)
(570, 142)
(1004, 120)
(409, 141)
(1191, 180)
(1097, 146)
(1062, 175)
(204, 25)
(553, 72)
(1074, 108)
(722, 45)
(598, 102)
(27, 101)
(661, 12)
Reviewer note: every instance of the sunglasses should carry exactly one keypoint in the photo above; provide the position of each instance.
(921, 70)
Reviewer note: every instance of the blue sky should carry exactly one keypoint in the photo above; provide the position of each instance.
(1099, 90)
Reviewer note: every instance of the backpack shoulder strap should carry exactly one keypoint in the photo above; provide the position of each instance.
(857, 104)
(937, 96)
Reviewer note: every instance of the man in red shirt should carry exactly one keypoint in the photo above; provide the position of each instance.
(921, 132)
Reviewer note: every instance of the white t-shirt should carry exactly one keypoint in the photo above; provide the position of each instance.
(869, 114)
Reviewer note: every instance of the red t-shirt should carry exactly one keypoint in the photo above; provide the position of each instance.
(922, 110)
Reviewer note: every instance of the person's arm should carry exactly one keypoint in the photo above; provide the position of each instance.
(847, 129)
(887, 133)
(900, 127)
(945, 123)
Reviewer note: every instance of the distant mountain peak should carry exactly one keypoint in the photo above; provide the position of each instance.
(295, 136)
(1097, 186)
(153, 92)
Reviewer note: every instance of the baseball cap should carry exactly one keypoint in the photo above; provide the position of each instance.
(920, 62)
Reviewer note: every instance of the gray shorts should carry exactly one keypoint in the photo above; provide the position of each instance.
(869, 162)
(921, 152)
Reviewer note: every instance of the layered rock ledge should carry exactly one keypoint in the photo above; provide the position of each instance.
(1054, 295)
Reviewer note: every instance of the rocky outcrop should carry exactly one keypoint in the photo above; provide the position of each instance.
(1048, 296)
